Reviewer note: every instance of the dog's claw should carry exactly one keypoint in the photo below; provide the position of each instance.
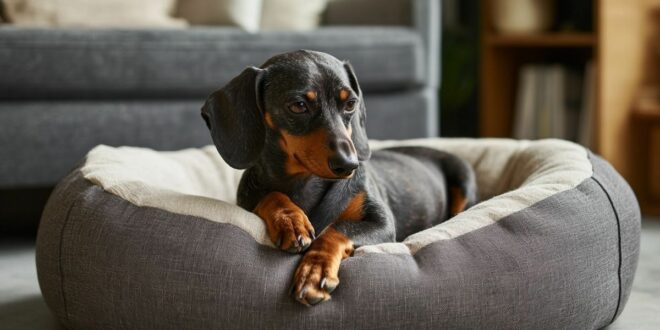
(313, 234)
(314, 301)
(330, 287)
(323, 283)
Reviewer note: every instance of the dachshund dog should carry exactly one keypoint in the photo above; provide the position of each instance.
(297, 124)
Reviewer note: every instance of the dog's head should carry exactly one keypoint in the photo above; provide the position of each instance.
(310, 100)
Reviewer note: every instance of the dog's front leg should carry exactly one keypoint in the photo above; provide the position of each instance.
(287, 224)
(318, 272)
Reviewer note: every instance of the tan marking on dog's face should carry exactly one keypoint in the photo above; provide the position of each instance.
(343, 94)
(354, 211)
(307, 154)
(311, 95)
(269, 120)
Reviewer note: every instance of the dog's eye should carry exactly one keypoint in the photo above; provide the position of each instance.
(298, 107)
(350, 106)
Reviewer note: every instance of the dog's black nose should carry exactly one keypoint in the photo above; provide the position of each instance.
(345, 160)
(343, 167)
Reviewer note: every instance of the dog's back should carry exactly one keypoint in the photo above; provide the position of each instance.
(422, 186)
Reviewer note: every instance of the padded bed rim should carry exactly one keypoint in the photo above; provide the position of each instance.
(564, 165)
(49, 254)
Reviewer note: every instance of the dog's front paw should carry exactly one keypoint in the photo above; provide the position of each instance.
(318, 272)
(316, 277)
(287, 224)
(290, 230)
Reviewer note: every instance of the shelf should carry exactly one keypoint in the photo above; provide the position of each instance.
(647, 107)
(542, 40)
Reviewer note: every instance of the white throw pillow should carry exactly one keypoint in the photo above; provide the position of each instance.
(92, 13)
(296, 15)
(242, 13)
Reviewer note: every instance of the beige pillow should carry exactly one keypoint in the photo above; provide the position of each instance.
(296, 15)
(92, 13)
(242, 13)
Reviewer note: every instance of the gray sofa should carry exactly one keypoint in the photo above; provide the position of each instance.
(63, 91)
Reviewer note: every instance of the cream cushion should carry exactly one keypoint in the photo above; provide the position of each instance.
(296, 15)
(512, 175)
(241, 13)
(92, 13)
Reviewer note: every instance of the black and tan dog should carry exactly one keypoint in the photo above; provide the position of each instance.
(297, 124)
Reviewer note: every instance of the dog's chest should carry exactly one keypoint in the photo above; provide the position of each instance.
(308, 194)
(323, 201)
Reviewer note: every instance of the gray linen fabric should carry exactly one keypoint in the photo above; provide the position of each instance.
(69, 129)
(564, 262)
(628, 214)
(71, 63)
(423, 15)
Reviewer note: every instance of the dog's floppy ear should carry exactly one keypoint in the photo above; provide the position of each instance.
(359, 135)
(235, 118)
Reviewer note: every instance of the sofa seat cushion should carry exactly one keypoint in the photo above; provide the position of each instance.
(71, 63)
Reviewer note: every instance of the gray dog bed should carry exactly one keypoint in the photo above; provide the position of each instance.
(135, 238)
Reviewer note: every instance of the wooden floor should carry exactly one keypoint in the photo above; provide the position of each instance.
(21, 305)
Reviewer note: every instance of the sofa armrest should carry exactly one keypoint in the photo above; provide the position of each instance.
(421, 15)
(426, 16)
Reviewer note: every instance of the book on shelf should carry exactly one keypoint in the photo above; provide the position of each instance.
(525, 116)
(554, 101)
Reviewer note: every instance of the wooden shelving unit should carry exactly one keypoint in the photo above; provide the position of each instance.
(620, 45)
(503, 55)
(646, 116)
(542, 40)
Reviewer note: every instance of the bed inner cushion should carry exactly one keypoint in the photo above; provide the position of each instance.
(511, 176)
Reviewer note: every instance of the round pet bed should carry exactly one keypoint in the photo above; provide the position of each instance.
(135, 238)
